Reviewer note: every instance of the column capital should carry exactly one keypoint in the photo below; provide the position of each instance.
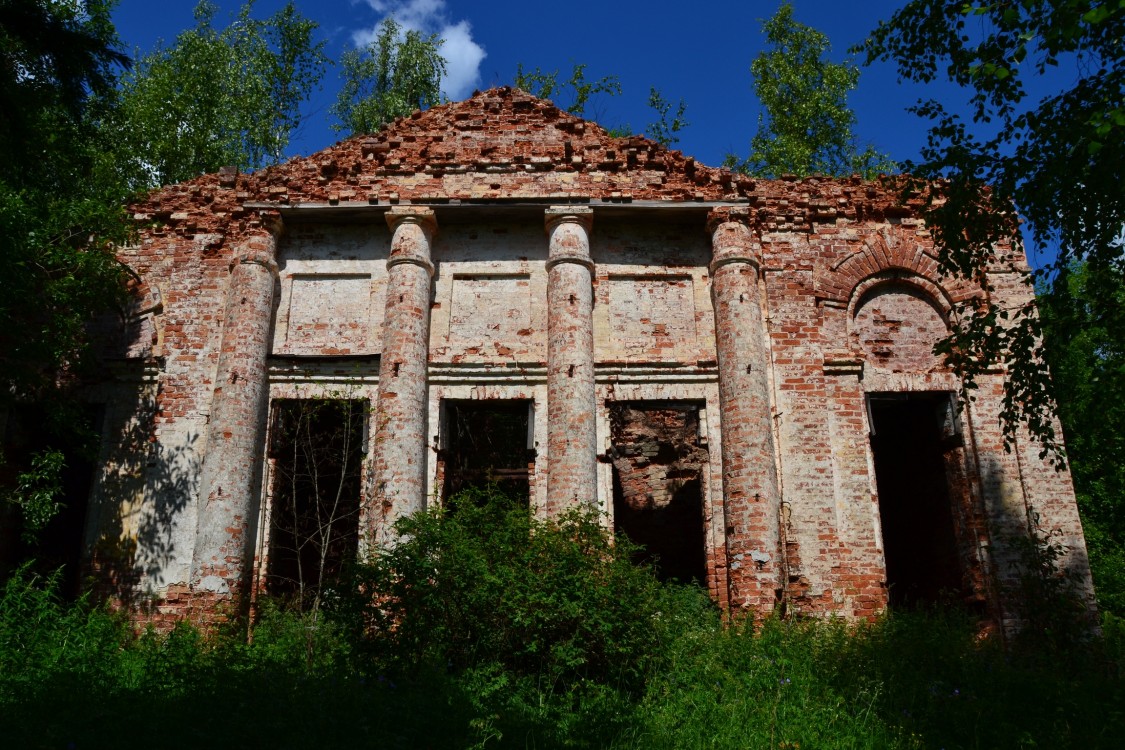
(411, 246)
(732, 240)
(581, 215)
(716, 217)
(423, 216)
(569, 230)
(258, 250)
(273, 223)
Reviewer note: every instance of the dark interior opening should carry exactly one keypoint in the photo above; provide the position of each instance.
(658, 467)
(487, 443)
(318, 447)
(31, 433)
(909, 439)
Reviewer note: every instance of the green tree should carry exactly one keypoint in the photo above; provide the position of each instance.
(573, 94)
(217, 98)
(51, 55)
(1086, 352)
(805, 126)
(1058, 160)
(665, 130)
(393, 75)
(60, 216)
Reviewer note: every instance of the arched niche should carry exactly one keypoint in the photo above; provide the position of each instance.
(895, 319)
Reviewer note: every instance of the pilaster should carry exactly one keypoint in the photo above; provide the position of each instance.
(571, 406)
(399, 470)
(750, 489)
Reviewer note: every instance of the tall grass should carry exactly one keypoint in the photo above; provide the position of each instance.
(495, 630)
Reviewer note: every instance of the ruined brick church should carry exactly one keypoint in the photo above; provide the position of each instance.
(738, 373)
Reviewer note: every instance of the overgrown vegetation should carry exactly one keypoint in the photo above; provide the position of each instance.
(1056, 159)
(394, 74)
(573, 94)
(493, 629)
(806, 125)
(60, 216)
(486, 627)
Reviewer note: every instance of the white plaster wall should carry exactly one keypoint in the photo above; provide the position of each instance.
(333, 289)
(490, 294)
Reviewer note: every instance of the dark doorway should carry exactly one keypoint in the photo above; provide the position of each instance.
(910, 435)
(658, 467)
(52, 453)
(487, 442)
(317, 447)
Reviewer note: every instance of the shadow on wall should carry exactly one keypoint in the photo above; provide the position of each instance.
(1040, 574)
(139, 522)
(950, 540)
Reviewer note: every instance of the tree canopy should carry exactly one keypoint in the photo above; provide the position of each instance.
(806, 125)
(52, 55)
(1084, 336)
(217, 98)
(60, 216)
(58, 213)
(396, 73)
(1057, 161)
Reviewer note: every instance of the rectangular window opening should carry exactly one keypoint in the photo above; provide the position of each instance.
(317, 447)
(659, 464)
(916, 444)
(487, 443)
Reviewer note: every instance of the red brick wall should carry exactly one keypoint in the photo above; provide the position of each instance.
(841, 273)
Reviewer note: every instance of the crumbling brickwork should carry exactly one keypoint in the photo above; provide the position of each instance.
(660, 469)
(500, 249)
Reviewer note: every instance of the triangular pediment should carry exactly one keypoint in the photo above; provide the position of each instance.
(499, 144)
(503, 145)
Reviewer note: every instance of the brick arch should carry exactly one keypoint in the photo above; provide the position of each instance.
(918, 284)
(891, 250)
(895, 317)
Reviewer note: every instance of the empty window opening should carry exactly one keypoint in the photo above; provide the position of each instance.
(52, 459)
(487, 442)
(659, 462)
(317, 447)
(910, 437)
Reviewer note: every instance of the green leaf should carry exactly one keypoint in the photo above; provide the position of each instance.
(1096, 15)
(806, 126)
(395, 74)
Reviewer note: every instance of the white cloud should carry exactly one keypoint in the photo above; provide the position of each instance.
(419, 15)
(462, 55)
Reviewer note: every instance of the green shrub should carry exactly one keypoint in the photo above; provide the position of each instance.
(735, 688)
(547, 622)
(487, 628)
(48, 644)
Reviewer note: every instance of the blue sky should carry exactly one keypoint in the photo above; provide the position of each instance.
(700, 53)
